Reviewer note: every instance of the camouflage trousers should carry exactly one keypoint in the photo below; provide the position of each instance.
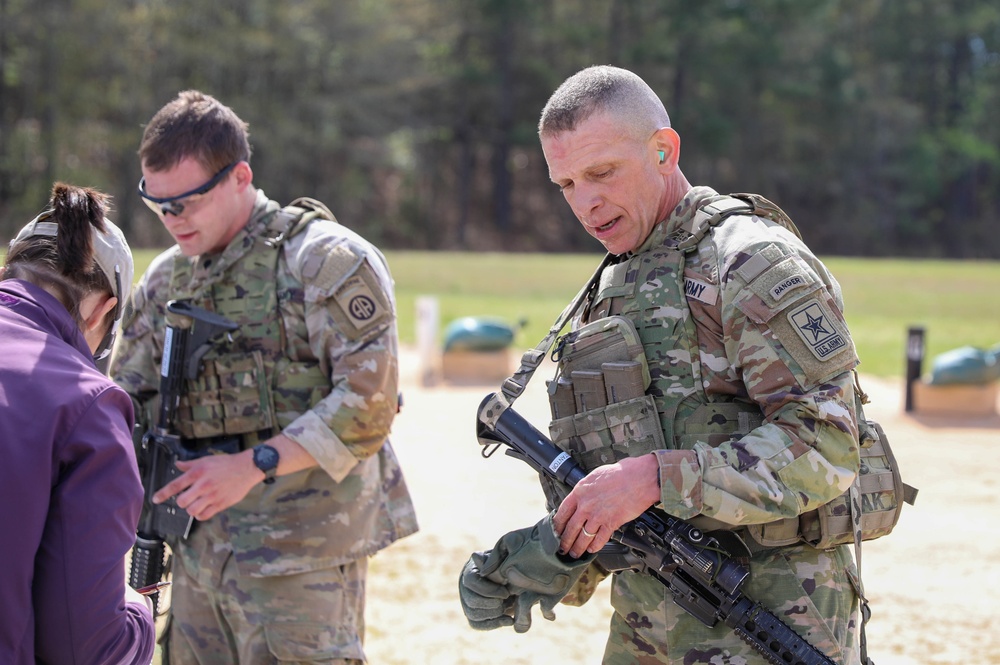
(219, 617)
(810, 590)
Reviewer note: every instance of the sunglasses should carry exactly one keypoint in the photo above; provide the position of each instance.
(174, 205)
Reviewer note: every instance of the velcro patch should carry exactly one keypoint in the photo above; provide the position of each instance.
(324, 271)
(701, 291)
(785, 275)
(819, 329)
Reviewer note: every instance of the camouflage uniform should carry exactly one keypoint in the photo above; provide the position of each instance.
(316, 359)
(750, 364)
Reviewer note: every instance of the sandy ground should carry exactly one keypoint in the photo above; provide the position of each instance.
(932, 582)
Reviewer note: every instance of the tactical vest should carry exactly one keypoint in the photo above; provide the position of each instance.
(629, 381)
(673, 410)
(254, 384)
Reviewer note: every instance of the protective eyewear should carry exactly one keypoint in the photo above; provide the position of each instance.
(174, 205)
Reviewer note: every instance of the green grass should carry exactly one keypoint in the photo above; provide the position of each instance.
(957, 302)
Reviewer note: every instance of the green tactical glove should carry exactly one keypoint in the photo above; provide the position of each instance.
(499, 587)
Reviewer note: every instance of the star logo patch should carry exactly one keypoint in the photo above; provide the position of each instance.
(818, 329)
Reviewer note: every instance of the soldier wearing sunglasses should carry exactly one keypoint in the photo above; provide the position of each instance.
(274, 568)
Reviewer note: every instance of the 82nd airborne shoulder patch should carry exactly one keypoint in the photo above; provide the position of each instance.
(362, 301)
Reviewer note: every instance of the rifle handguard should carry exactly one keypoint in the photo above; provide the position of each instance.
(148, 561)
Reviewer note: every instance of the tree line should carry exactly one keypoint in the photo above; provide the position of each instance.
(871, 122)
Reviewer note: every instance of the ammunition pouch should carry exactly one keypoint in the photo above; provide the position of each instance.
(866, 511)
(611, 339)
(600, 412)
(231, 396)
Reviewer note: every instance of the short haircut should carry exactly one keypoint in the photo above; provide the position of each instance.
(608, 89)
(195, 125)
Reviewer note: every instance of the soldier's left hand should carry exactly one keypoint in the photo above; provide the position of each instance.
(211, 484)
(608, 497)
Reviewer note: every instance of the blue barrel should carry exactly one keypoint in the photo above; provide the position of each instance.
(967, 365)
(477, 333)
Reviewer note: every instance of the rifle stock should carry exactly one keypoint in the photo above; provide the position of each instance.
(693, 565)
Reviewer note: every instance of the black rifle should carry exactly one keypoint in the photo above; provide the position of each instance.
(693, 565)
(161, 446)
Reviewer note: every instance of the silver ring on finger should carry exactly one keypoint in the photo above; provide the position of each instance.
(589, 534)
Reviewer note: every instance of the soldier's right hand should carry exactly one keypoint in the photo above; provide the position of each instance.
(211, 484)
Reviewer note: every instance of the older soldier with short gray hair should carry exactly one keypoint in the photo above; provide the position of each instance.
(744, 417)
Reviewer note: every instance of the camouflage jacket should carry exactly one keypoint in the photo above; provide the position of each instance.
(355, 501)
(744, 322)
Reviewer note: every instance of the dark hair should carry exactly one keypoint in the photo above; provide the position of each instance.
(195, 125)
(65, 263)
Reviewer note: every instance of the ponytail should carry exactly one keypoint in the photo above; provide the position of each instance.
(76, 210)
(56, 249)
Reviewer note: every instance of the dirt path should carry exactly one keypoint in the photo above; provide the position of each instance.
(932, 582)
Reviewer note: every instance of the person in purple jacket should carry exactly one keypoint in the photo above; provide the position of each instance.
(69, 484)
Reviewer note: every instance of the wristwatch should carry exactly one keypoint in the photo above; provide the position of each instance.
(265, 457)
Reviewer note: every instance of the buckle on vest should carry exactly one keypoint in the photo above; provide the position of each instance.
(277, 240)
(680, 239)
(532, 359)
(511, 388)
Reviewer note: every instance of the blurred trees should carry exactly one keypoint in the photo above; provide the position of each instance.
(869, 121)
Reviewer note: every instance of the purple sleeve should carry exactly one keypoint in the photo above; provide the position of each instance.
(79, 590)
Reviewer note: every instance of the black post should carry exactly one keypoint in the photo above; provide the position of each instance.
(914, 361)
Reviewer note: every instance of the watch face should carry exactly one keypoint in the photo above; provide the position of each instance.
(265, 457)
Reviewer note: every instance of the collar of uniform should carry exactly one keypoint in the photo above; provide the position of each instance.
(209, 265)
(678, 221)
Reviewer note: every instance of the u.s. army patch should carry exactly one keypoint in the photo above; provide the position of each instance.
(820, 330)
(699, 290)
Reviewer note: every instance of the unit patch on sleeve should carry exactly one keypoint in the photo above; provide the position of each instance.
(361, 301)
(780, 289)
(818, 329)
